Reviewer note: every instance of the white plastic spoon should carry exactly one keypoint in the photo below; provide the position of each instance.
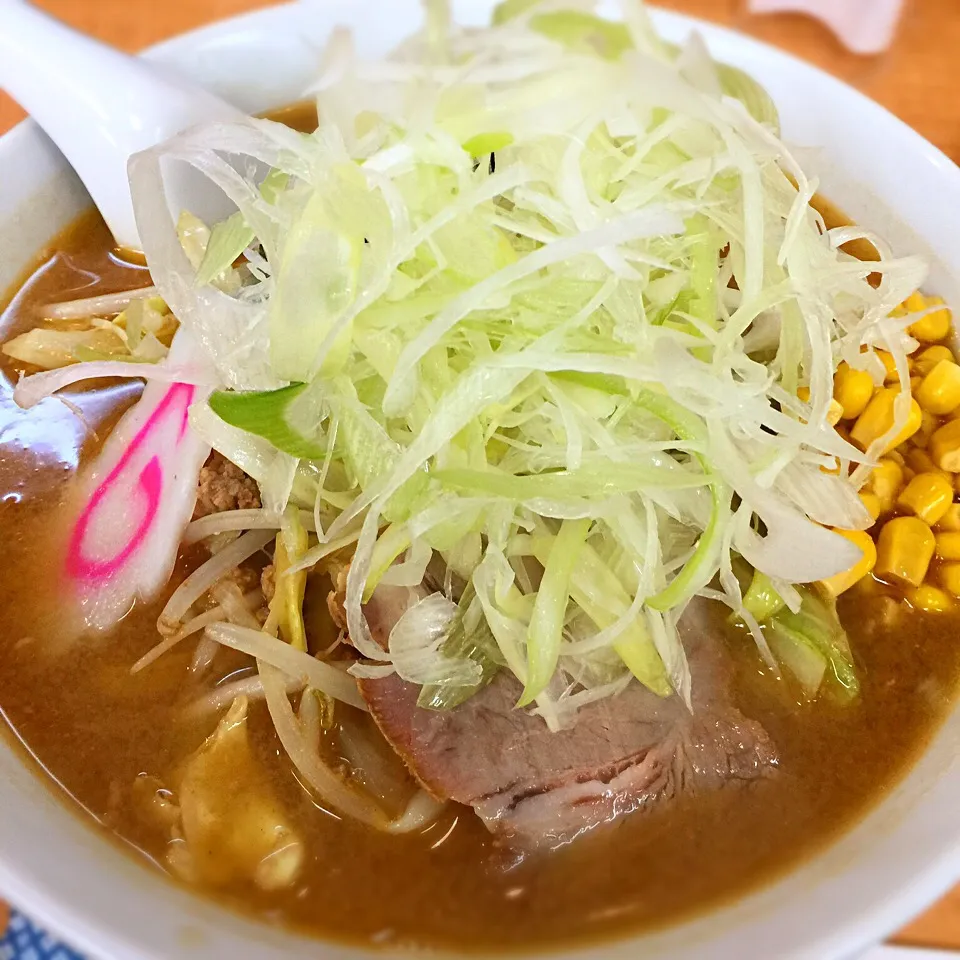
(100, 106)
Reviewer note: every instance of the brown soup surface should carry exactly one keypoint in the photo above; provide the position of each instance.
(96, 732)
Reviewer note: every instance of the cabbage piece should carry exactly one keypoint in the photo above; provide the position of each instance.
(231, 237)
(811, 636)
(761, 600)
(796, 652)
(50, 349)
(468, 637)
(232, 823)
(417, 643)
(228, 239)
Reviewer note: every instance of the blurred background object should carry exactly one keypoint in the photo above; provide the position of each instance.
(916, 77)
(863, 26)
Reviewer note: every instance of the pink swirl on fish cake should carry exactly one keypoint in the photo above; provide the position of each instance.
(79, 565)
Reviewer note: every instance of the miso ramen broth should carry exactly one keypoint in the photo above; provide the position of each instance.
(108, 739)
(581, 545)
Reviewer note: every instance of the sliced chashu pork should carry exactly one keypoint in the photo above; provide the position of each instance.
(537, 789)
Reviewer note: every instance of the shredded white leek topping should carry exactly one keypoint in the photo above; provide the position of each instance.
(526, 319)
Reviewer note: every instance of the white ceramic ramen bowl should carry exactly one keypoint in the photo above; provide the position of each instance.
(896, 861)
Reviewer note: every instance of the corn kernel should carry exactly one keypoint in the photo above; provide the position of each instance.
(872, 502)
(934, 326)
(929, 599)
(914, 303)
(896, 456)
(834, 411)
(889, 366)
(939, 392)
(904, 551)
(920, 425)
(919, 460)
(878, 419)
(929, 358)
(948, 545)
(886, 481)
(950, 521)
(927, 496)
(840, 582)
(945, 447)
(852, 389)
(949, 574)
(929, 424)
(915, 383)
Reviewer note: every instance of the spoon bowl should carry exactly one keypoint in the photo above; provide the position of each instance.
(100, 106)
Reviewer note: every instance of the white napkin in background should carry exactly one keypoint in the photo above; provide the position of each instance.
(865, 26)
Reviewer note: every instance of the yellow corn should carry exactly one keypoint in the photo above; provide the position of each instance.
(948, 545)
(915, 385)
(840, 582)
(889, 366)
(934, 326)
(886, 482)
(919, 461)
(914, 303)
(944, 447)
(950, 521)
(872, 502)
(834, 411)
(878, 418)
(929, 424)
(929, 358)
(929, 599)
(927, 496)
(852, 389)
(904, 551)
(939, 392)
(950, 577)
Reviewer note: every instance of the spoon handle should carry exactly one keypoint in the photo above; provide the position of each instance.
(97, 104)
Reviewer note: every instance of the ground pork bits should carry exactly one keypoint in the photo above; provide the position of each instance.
(224, 486)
